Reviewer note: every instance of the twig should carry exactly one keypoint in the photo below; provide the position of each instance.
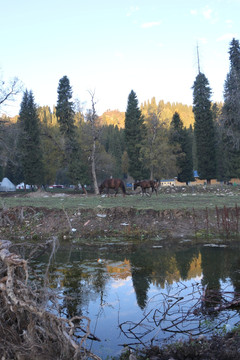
(68, 220)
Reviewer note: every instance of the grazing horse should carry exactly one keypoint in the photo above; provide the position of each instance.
(112, 184)
(147, 184)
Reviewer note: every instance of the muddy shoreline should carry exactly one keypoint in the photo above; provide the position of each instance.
(37, 223)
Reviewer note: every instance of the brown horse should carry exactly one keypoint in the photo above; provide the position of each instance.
(112, 184)
(147, 184)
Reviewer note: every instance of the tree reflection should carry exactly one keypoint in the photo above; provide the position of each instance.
(213, 271)
(83, 279)
(158, 266)
(142, 268)
(189, 263)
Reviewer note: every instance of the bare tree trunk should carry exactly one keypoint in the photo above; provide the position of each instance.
(152, 124)
(95, 184)
(93, 119)
(151, 173)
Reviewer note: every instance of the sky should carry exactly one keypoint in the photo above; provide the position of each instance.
(110, 47)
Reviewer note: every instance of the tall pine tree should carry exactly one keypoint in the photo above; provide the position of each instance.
(180, 137)
(74, 164)
(134, 135)
(65, 108)
(204, 128)
(231, 113)
(29, 141)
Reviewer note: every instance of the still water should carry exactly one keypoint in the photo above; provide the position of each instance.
(135, 293)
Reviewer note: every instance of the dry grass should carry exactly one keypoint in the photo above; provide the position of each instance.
(198, 197)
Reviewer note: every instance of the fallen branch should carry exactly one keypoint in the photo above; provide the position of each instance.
(29, 330)
(184, 310)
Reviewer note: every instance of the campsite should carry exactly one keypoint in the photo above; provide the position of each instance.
(180, 218)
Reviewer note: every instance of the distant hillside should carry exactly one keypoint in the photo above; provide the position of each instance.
(165, 111)
(113, 117)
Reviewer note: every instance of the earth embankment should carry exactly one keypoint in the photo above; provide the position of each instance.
(118, 221)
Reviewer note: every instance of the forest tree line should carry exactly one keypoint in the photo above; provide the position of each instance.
(154, 140)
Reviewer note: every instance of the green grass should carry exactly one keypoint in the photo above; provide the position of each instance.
(163, 201)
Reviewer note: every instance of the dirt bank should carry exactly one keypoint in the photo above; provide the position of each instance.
(41, 222)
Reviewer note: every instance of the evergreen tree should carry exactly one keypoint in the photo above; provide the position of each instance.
(65, 116)
(231, 113)
(180, 137)
(189, 150)
(204, 128)
(221, 161)
(29, 141)
(134, 135)
(9, 171)
(65, 108)
(74, 164)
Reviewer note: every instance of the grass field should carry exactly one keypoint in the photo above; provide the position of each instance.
(186, 199)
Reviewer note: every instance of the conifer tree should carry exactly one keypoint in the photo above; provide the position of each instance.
(231, 113)
(29, 141)
(76, 168)
(65, 107)
(204, 128)
(134, 135)
(180, 137)
(65, 116)
(221, 161)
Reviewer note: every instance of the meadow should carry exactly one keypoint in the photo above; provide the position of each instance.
(196, 197)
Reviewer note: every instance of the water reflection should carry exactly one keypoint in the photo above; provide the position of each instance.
(118, 284)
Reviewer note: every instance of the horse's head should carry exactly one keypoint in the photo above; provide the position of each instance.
(101, 187)
(135, 186)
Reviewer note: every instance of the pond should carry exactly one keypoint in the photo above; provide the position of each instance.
(135, 292)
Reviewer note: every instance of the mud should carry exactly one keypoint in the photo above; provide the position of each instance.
(29, 222)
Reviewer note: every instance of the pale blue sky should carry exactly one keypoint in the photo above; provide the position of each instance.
(112, 47)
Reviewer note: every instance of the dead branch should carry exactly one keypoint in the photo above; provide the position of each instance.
(68, 220)
(8, 91)
(186, 310)
(27, 329)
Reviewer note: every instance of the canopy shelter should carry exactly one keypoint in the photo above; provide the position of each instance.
(7, 185)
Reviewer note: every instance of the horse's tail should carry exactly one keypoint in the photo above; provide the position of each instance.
(123, 188)
(156, 186)
(101, 187)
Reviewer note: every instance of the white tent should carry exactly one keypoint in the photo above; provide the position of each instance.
(7, 185)
(22, 186)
